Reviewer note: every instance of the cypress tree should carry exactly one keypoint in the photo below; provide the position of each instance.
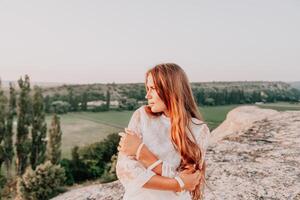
(2, 125)
(54, 141)
(84, 102)
(107, 99)
(72, 99)
(23, 143)
(39, 130)
(8, 139)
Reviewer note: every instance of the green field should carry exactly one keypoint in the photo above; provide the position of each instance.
(215, 115)
(281, 106)
(82, 128)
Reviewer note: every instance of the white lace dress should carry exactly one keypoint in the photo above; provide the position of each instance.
(155, 132)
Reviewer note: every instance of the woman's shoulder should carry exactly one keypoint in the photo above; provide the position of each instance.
(201, 132)
(140, 112)
(136, 119)
(197, 123)
(199, 127)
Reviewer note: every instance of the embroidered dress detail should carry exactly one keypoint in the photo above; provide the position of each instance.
(155, 133)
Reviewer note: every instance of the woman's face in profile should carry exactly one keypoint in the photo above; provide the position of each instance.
(154, 101)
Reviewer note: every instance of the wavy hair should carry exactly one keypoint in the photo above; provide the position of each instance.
(174, 90)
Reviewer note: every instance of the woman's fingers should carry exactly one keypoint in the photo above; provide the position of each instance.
(198, 176)
(189, 170)
(122, 139)
(122, 134)
(197, 173)
(119, 148)
(128, 131)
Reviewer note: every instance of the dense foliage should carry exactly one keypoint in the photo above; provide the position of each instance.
(44, 182)
(130, 96)
(92, 161)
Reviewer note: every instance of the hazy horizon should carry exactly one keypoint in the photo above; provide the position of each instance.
(81, 42)
(5, 83)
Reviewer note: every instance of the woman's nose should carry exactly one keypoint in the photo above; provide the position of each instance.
(148, 96)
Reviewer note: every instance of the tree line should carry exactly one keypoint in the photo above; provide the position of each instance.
(75, 97)
(30, 150)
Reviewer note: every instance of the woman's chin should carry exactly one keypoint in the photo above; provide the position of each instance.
(153, 109)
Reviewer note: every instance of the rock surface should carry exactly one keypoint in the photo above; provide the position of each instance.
(254, 154)
(108, 191)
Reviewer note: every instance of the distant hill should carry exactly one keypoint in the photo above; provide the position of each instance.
(137, 90)
(129, 95)
(5, 84)
(295, 84)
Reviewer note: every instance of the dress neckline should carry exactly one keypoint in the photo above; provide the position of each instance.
(165, 119)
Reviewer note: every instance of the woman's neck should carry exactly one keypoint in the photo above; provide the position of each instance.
(166, 113)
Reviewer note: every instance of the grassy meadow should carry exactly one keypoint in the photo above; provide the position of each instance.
(83, 128)
(281, 106)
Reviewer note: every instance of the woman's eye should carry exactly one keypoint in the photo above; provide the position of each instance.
(151, 88)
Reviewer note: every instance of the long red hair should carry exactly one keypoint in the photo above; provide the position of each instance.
(174, 90)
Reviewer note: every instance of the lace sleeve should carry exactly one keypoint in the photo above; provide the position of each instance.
(203, 137)
(130, 172)
(168, 170)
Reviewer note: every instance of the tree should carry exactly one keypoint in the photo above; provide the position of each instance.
(60, 107)
(39, 130)
(72, 99)
(107, 99)
(8, 139)
(2, 134)
(131, 104)
(54, 141)
(84, 102)
(47, 103)
(43, 183)
(23, 143)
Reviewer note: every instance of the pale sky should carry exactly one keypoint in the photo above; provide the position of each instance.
(94, 41)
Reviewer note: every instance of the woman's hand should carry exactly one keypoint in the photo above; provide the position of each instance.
(129, 142)
(191, 180)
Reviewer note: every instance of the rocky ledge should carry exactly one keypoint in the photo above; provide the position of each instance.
(254, 154)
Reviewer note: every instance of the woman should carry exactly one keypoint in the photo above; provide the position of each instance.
(161, 154)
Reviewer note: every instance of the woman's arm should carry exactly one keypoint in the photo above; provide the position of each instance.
(190, 180)
(132, 173)
(147, 158)
(162, 183)
(130, 144)
(134, 176)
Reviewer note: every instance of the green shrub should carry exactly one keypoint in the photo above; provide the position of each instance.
(60, 107)
(92, 161)
(110, 170)
(67, 165)
(2, 183)
(44, 182)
